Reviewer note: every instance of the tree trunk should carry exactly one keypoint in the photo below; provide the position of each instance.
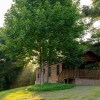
(42, 67)
(48, 60)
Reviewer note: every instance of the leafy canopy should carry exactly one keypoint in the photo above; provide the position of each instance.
(44, 29)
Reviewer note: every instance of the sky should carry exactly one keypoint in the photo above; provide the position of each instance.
(6, 4)
(85, 2)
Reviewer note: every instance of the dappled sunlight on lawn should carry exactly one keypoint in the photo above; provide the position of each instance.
(19, 95)
(76, 93)
(22, 95)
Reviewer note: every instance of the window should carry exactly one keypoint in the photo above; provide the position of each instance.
(58, 69)
(38, 75)
(63, 66)
(44, 71)
(49, 71)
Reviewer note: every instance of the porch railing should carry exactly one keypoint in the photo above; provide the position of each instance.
(66, 74)
(79, 73)
(84, 73)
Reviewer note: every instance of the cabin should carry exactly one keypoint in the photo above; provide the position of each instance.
(81, 75)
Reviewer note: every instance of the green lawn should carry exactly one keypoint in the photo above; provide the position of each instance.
(27, 92)
(50, 87)
(76, 93)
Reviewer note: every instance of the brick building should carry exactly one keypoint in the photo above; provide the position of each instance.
(60, 73)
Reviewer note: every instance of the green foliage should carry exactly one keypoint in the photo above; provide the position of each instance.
(94, 13)
(92, 66)
(8, 71)
(8, 75)
(45, 29)
(50, 87)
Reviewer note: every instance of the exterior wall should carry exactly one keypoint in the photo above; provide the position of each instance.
(86, 81)
(51, 79)
(46, 74)
(37, 78)
(54, 77)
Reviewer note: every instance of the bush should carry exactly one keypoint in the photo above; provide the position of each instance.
(51, 87)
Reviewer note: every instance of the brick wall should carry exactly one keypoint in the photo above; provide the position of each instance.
(54, 77)
(86, 81)
(37, 76)
(51, 79)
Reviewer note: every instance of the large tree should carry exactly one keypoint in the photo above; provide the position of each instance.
(45, 30)
(8, 69)
(93, 13)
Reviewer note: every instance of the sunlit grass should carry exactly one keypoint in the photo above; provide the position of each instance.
(8, 95)
(18, 95)
(28, 93)
(77, 93)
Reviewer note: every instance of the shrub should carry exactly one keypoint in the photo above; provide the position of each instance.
(51, 87)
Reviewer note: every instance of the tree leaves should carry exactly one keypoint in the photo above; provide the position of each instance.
(50, 25)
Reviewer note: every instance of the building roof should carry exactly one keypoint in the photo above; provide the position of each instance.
(90, 56)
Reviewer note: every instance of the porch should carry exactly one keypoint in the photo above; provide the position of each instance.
(68, 75)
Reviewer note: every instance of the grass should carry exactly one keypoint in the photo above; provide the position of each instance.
(26, 92)
(5, 93)
(76, 93)
(51, 87)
